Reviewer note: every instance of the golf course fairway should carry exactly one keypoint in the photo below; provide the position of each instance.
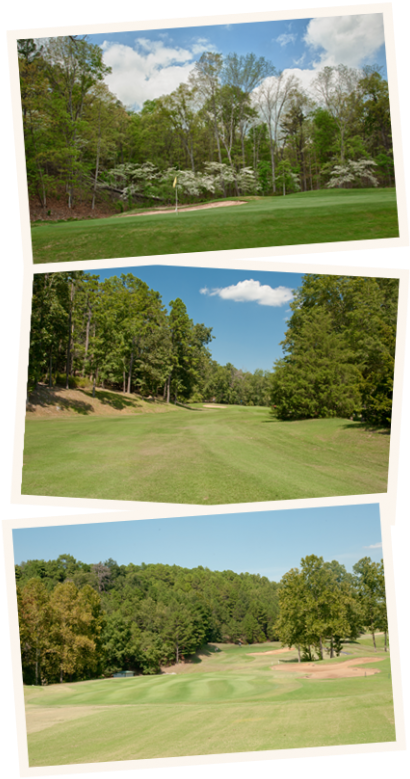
(203, 456)
(227, 700)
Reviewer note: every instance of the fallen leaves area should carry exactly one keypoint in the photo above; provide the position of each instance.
(59, 402)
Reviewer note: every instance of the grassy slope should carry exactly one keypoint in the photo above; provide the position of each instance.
(207, 456)
(304, 218)
(229, 702)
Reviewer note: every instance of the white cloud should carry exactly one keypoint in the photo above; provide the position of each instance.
(252, 291)
(347, 40)
(335, 40)
(374, 546)
(301, 60)
(150, 69)
(285, 38)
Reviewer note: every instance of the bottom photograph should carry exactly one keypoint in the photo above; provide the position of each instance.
(203, 635)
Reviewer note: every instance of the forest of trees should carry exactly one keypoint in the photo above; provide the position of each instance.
(236, 127)
(339, 347)
(80, 621)
(339, 350)
(117, 333)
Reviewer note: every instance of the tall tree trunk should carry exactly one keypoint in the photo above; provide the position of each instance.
(69, 337)
(272, 162)
(37, 663)
(374, 641)
(131, 366)
(331, 646)
(98, 158)
(87, 338)
(321, 647)
(385, 640)
(218, 144)
(169, 388)
(299, 658)
(50, 369)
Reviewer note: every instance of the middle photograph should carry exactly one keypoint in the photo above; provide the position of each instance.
(209, 386)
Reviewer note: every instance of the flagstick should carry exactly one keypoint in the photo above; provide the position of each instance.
(176, 198)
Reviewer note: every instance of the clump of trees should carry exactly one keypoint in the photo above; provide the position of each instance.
(80, 621)
(338, 350)
(117, 333)
(321, 605)
(237, 126)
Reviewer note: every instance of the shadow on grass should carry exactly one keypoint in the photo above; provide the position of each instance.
(109, 399)
(184, 405)
(368, 427)
(206, 651)
(48, 397)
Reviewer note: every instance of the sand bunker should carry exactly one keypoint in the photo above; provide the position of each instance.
(344, 670)
(212, 405)
(271, 652)
(189, 208)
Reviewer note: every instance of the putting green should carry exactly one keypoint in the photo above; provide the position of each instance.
(302, 218)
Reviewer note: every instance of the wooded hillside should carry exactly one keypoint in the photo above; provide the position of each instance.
(80, 621)
(118, 333)
(236, 127)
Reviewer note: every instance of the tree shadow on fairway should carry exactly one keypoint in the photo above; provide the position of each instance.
(205, 651)
(51, 396)
(115, 401)
(185, 406)
(368, 427)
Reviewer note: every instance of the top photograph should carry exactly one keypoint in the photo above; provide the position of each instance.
(208, 138)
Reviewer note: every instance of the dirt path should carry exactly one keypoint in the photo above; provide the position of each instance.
(188, 208)
(344, 670)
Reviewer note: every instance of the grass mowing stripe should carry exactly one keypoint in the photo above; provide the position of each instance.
(235, 455)
(214, 706)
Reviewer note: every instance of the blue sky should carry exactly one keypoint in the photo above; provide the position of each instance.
(267, 542)
(149, 63)
(247, 331)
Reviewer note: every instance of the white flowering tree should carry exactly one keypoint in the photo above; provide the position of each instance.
(128, 180)
(353, 173)
(148, 181)
(248, 181)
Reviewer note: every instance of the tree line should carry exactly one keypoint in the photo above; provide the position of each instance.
(236, 126)
(80, 621)
(117, 333)
(339, 350)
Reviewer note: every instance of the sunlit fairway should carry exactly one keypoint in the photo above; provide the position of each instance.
(302, 218)
(202, 456)
(225, 701)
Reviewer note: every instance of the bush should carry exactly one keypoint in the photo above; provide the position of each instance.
(74, 382)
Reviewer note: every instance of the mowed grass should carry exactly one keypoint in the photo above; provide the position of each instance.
(227, 702)
(202, 456)
(302, 218)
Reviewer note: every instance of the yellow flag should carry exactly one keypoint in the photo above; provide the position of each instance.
(175, 182)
